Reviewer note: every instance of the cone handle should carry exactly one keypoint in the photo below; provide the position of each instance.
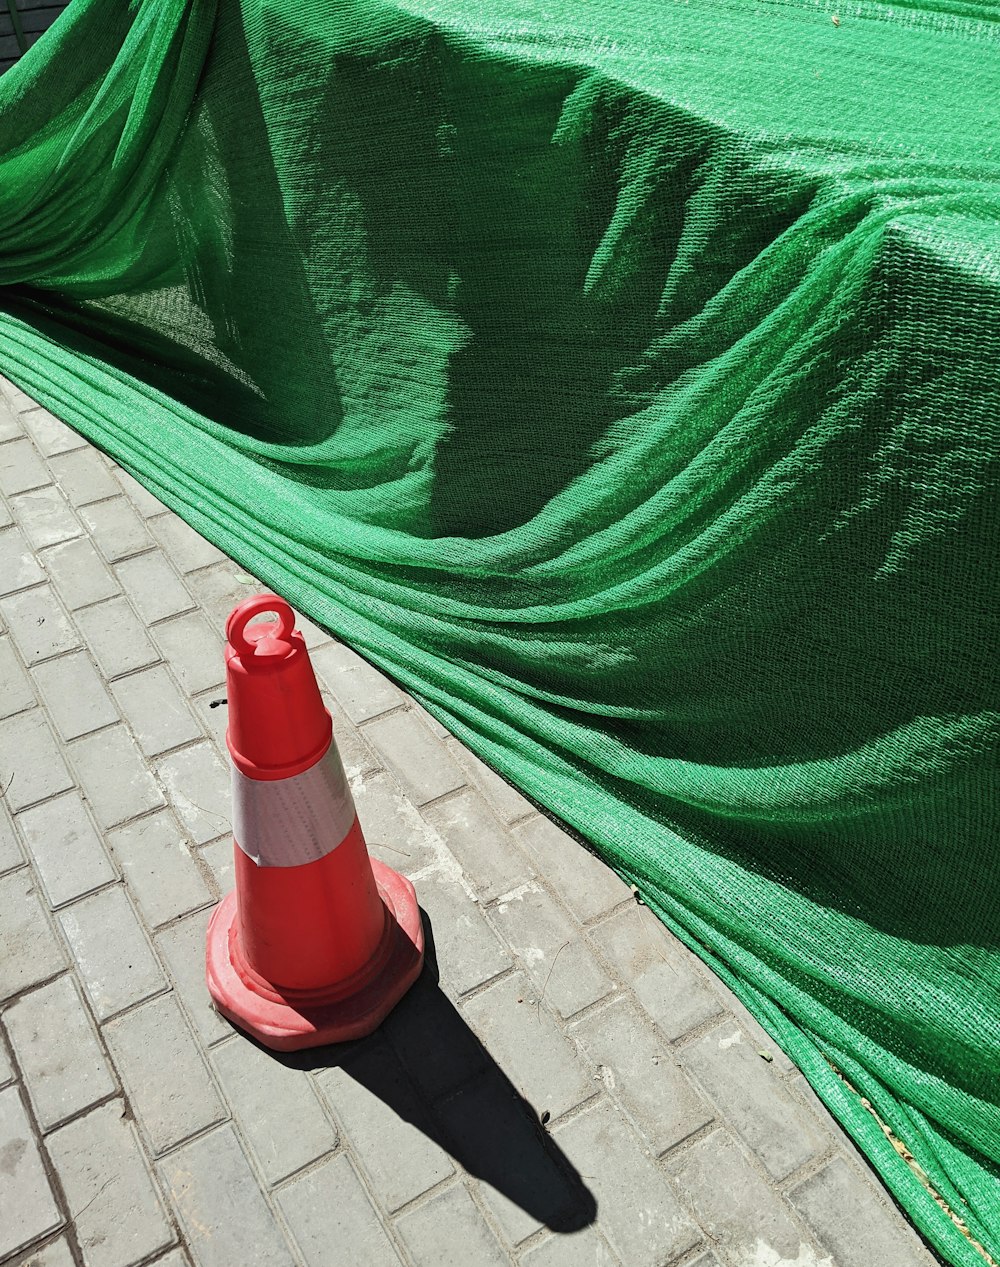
(241, 616)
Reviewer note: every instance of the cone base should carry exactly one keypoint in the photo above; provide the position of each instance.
(287, 1024)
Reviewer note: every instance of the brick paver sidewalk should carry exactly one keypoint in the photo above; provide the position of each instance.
(565, 1086)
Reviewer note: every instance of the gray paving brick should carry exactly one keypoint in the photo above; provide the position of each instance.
(140, 497)
(156, 710)
(49, 434)
(421, 762)
(116, 637)
(54, 1254)
(488, 857)
(68, 853)
(113, 776)
(551, 948)
(158, 868)
(153, 587)
(225, 1218)
(468, 950)
(75, 695)
(332, 1220)
(432, 1040)
(220, 588)
(219, 856)
(313, 635)
(116, 964)
(116, 528)
(853, 1223)
(16, 691)
(39, 624)
(198, 786)
(21, 468)
(45, 517)
(182, 946)
(506, 802)
(362, 691)
(6, 518)
(276, 1106)
(78, 573)
(6, 1068)
(168, 1085)
(634, 1062)
(186, 549)
(82, 476)
(10, 423)
(392, 1138)
(358, 756)
(526, 1043)
(638, 1213)
(29, 1208)
(449, 1231)
(214, 720)
(193, 650)
(759, 1037)
(745, 1217)
(63, 1064)
(577, 1249)
(116, 1209)
(438, 729)
(29, 949)
(393, 829)
(18, 566)
(587, 886)
(31, 767)
(10, 851)
(663, 973)
(754, 1101)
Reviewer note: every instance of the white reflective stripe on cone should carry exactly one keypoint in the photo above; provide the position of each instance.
(290, 822)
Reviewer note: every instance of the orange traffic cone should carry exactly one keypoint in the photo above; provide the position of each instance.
(319, 941)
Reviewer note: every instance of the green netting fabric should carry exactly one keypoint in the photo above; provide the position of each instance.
(622, 375)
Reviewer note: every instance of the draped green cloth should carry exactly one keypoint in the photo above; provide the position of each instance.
(621, 376)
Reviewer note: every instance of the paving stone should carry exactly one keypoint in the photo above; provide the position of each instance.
(153, 587)
(18, 566)
(156, 710)
(116, 637)
(634, 1062)
(587, 886)
(759, 1037)
(747, 1219)
(358, 756)
(214, 720)
(754, 1101)
(432, 1040)
(182, 946)
(67, 851)
(468, 950)
(116, 1209)
(362, 691)
(491, 1134)
(168, 1085)
(82, 476)
(525, 1042)
(449, 1231)
(54, 1254)
(49, 434)
(225, 1218)
(391, 1136)
(63, 1064)
(276, 1106)
(6, 1068)
(31, 767)
(116, 964)
(45, 517)
(551, 948)
(662, 972)
(393, 829)
(219, 856)
(577, 1249)
(421, 762)
(6, 518)
(852, 1222)
(140, 497)
(158, 868)
(17, 693)
(29, 949)
(21, 468)
(29, 1208)
(506, 802)
(185, 548)
(10, 423)
(313, 635)
(112, 773)
(198, 785)
(194, 651)
(39, 624)
(10, 851)
(75, 695)
(487, 855)
(218, 589)
(116, 529)
(638, 1213)
(79, 574)
(332, 1221)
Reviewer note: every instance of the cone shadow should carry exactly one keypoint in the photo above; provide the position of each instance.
(430, 1069)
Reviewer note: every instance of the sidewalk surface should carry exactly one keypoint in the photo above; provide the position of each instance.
(566, 1086)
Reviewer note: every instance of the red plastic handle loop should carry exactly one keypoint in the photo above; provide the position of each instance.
(241, 616)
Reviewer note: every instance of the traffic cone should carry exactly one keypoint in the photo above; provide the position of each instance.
(319, 941)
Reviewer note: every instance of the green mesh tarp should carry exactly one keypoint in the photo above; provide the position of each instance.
(623, 378)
